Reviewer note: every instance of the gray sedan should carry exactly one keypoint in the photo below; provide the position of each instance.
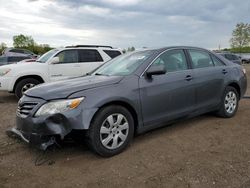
(130, 94)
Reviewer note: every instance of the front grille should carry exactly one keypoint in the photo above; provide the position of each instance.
(25, 108)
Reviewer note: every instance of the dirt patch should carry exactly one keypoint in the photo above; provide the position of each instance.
(202, 152)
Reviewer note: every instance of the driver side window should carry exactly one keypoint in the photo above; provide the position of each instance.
(173, 60)
(68, 56)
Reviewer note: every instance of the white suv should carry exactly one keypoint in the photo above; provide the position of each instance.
(57, 64)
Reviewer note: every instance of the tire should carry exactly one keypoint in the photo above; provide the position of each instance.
(28, 83)
(230, 103)
(111, 140)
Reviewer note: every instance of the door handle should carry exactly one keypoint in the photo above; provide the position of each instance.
(224, 71)
(188, 77)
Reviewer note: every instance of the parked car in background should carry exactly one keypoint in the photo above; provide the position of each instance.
(132, 93)
(245, 59)
(5, 60)
(18, 52)
(57, 64)
(231, 57)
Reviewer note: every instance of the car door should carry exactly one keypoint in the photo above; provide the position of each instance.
(67, 67)
(209, 79)
(89, 60)
(168, 96)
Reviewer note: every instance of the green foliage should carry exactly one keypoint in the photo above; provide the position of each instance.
(131, 49)
(21, 41)
(27, 42)
(240, 36)
(2, 47)
(241, 50)
(237, 50)
(39, 49)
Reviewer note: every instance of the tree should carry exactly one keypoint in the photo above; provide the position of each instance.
(22, 41)
(131, 49)
(27, 42)
(2, 47)
(240, 36)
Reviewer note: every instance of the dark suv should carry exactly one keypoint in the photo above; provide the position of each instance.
(18, 52)
(5, 60)
(231, 57)
(132, 93)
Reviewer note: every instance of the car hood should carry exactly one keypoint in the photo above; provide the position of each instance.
(65, 88)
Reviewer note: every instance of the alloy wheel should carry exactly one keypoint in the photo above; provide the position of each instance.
(114, 131)
(230, 102)
(27, 87)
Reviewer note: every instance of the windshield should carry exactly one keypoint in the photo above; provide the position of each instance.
(44, 58)
(123, 65)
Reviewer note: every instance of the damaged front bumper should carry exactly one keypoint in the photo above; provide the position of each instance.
(44, 131)
(32, 139)
(41, 132)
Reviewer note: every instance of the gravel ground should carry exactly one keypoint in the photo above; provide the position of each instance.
(202, 152)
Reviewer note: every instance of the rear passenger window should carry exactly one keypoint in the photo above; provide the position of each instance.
(3, 59)
(173, 60)
(112, 53)
(68, 56)
(16, 50)
(16, 59)
(89, 56)
(200, 59)
(217, 62)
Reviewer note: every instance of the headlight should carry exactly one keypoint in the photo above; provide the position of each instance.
(4, 71)
(58, 106)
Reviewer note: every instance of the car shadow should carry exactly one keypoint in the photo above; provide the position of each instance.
(6, 97)
(71, 148)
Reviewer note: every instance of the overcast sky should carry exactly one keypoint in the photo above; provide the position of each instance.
(123, 23)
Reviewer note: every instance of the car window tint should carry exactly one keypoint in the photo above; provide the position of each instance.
(16, 50)
(27, 52)
(217, 62)
(3, 60)
(68, 56)
(16, 59)
(173, 60)
(228, 56)
(89, 56)
(112, 53)
(235, 57)
(200, 59)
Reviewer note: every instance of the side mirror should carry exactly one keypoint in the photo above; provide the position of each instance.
(54, 60)
(156, 70)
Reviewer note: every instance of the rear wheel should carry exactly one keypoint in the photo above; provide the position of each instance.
(25, 85)
(229, 105)
(111, 131)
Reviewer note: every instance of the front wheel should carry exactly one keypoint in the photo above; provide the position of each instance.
(111, 131)
(25, 85)
(230, 101)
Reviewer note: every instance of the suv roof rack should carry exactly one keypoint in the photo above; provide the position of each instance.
(89, 46)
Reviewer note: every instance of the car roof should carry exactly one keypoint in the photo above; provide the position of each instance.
(175, 47)
(92, 47)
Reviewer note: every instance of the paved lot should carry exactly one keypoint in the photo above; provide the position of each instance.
(202, 152)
